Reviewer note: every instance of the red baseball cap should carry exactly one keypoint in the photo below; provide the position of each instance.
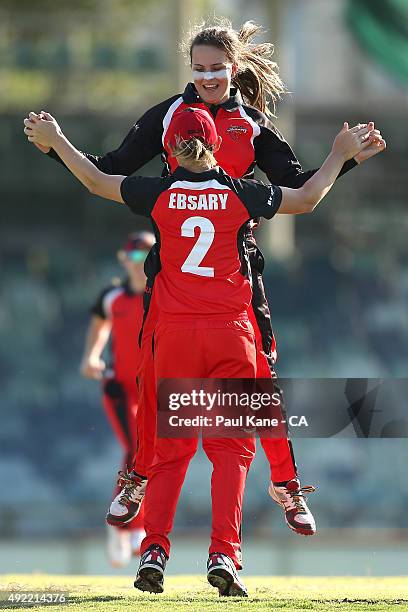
(192, 123)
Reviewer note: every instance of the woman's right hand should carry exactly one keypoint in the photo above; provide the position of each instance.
(31, 119)
(92, 368)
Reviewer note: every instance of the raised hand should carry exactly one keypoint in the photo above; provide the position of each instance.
(376, 146)
(28, 121)
(377, 143)
(350, 142)
(41, 129)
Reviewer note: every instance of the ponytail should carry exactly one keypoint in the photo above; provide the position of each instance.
(194, 151)
(258, 76)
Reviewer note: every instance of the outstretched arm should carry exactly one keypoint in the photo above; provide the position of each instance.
(141, 144)
(347, 144)
(46, 132)
(275, 157)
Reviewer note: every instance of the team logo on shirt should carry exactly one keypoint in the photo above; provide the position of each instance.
(235, 131)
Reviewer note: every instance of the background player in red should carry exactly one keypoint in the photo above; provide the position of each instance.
(117, 316)
(204, 294)
(233, 78)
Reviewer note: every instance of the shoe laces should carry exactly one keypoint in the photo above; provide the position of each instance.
(130, 486)
(297, 499)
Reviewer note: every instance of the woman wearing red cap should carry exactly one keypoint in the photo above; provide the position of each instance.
(234, 79)
(203, 329)
(117, 315)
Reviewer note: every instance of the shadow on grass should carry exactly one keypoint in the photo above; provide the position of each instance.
(72, 600)
(147, 598)
(208, 604)
(77, 599)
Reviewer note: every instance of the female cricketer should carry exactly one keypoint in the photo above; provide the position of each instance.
(233, 78)
(203, 328)
(117, 315)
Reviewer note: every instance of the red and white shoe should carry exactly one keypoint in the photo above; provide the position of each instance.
(222, 574)
(291, 498)
(126, 504)
(150, 575)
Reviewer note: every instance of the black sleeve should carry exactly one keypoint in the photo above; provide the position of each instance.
(140, 193)
(259, 199)
(275, 157)
(142, 143)
(98, 308)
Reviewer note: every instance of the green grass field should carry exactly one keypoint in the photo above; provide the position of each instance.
(193, 594)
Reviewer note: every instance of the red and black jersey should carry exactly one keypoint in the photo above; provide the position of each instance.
(235, 125)
(200, 220)
(124, 309)
(249, 139)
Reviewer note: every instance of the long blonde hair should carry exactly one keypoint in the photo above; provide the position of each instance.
(258, 77)
(194, 152)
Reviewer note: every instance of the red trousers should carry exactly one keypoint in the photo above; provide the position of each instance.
(201, 349)
(146, 417)
(121, 410)
(278, 451)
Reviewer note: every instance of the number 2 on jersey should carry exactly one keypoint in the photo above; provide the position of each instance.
(201, 247)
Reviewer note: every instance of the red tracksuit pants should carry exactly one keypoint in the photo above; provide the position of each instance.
(201, 349)
(278, 451)
(122, 415)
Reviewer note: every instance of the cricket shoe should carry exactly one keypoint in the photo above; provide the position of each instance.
(126, 504)
(150, 575)
(291, 498)
(119, 546)
(222, 574)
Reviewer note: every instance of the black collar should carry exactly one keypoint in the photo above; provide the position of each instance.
(197, 177)
(190, 96)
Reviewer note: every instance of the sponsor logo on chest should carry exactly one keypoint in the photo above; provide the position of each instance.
(235, 131)
(198, 201)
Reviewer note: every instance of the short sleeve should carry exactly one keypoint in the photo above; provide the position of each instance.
(259, 199)
(140, 193)
(98, 307)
